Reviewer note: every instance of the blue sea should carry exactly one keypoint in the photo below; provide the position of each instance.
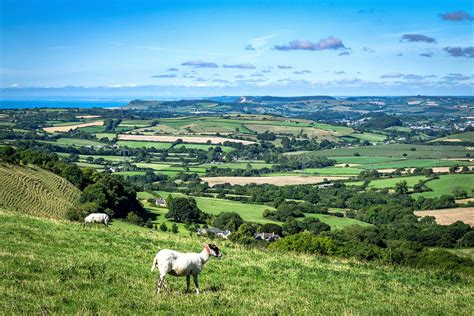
(59, 104)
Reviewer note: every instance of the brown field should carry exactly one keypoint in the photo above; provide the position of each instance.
(451, 140)
(275, 180)
(435, 170)
(64, 129)
(465, 201)
(186, 139)
(450, 215)
(87, 116)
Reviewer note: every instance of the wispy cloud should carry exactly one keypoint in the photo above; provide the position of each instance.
(164, 76)
(240, 66)
(284, 67)
(467, 52)
(259, 43)
(340, 72)
(429, 55)
(368, 50)
(399, 75)
(302, 72)
(329, 43)
(456, 16)
(413, 38)
(199, 64)
(172, 69)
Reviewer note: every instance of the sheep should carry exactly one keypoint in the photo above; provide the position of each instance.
(97, 218)
(183, 264)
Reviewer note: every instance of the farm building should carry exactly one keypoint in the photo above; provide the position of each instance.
(268, 237)
(160, 202)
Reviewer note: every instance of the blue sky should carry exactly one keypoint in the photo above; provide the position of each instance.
(166, 49)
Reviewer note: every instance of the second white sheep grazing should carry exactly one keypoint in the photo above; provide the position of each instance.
(97, 218)
(183, 264)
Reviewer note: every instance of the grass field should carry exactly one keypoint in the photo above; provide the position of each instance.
(371, 137)
(76, 142)
(186, 139)
(239, 165)
(35, 191)
(253, 212)
(141, 144)
(447, 183)
(391, 182)
(58, 267)
(397, 151)
(249, 212)
(337, 222)
(461, 137)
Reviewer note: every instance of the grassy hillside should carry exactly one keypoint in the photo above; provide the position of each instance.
(108, 272)
(35, 191)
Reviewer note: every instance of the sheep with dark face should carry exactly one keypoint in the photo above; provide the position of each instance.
(183, 264)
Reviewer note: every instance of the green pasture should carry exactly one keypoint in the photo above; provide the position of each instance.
(64, 268)
(397, 151)
(446, 184)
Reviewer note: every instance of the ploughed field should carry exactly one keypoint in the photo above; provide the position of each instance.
(32, 190)
(59, 267)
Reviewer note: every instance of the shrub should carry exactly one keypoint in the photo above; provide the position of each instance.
(174, 228)
(305, 242)
(270, 228)
(163, 227)
(228, 220)
(468, 239)
(245, 234)
(134, 218)
(78, 213)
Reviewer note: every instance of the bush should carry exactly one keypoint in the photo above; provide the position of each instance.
(134, 218)
(174, 228)
(228, 220)
(78, 213)
(163, 227)
(270, 228)
(305, 242)
(245, 234)
(467, 240)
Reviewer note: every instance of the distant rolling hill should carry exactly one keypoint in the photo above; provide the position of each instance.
(35, 191)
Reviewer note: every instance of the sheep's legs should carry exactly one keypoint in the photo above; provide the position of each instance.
(161, 282)
(196, 283)
(188, 281)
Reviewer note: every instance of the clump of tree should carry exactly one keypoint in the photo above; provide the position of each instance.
(185, 210)
(228, 220)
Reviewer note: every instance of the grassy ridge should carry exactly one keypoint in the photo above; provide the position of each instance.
(107, 271)
(35, 191)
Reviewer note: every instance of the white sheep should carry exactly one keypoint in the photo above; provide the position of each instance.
(183, 264)
(97, 218)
